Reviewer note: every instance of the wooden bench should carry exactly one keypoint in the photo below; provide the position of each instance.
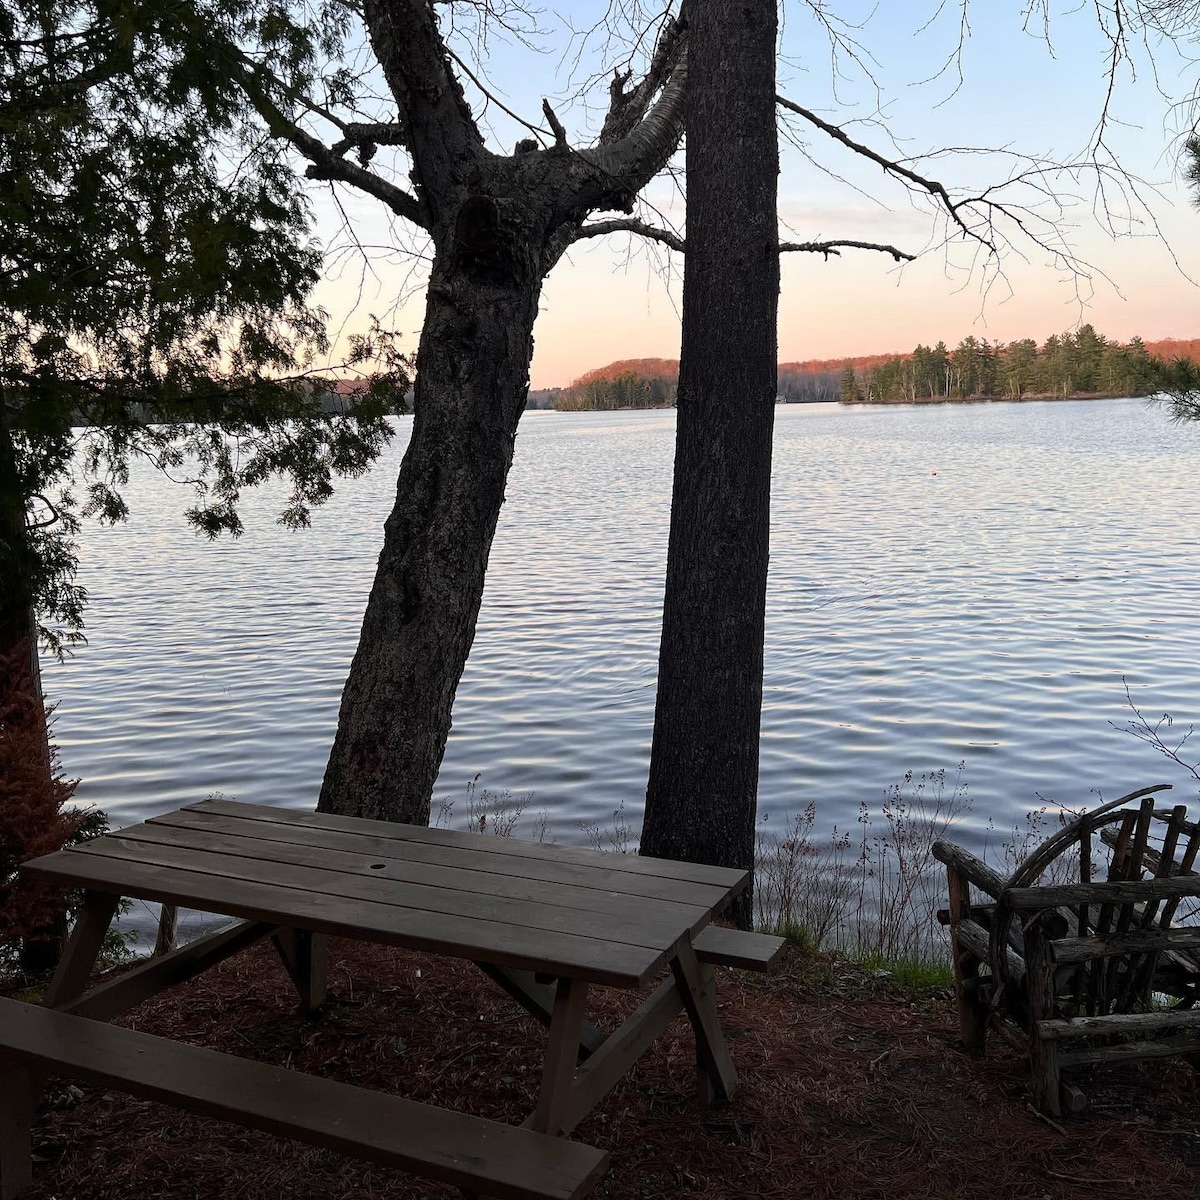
(1073, 966)
(470, 1152)
(737, 948)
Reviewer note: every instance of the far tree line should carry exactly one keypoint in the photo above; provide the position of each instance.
(1083, 363)
(1079, 363)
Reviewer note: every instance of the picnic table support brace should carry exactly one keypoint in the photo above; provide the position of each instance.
(537, 999)
(83, 948)
(610, 1064)
(306, 957)
(116, 996)
(716, 1078)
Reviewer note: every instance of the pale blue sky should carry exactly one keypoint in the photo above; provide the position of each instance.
(603, 303)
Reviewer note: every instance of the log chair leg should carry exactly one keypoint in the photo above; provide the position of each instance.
(562, 1052)
(972, 1011)
(1043, 1052)
(16, 1125)
(306, 957)
(716, 1078)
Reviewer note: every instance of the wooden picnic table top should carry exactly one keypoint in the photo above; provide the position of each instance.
(601, 918)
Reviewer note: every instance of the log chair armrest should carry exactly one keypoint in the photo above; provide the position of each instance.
(976, 871)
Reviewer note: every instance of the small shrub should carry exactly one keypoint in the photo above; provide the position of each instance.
(615, 838)
(875, 895)
(497, 813)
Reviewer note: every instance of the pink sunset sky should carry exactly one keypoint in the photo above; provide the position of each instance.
(611, 299)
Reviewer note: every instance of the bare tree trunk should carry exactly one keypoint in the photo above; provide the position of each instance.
(701, 797)
(471, 386)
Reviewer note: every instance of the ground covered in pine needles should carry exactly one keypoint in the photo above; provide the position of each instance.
(848, 1089)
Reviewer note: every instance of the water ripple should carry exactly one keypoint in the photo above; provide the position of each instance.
(953, 583)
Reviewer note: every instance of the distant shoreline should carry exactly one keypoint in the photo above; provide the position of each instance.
(1029, 396)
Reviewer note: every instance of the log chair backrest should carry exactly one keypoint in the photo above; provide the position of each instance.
(1094, 981)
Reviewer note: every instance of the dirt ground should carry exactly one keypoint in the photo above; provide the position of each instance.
(847, 1089)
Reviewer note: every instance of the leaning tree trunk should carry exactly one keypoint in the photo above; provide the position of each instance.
(499, 223)
(471, 386)
(701, 796)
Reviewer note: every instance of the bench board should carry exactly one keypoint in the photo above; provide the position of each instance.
(738, 948)
(466, 1151)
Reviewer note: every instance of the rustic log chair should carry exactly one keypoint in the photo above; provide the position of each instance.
(1088, 971)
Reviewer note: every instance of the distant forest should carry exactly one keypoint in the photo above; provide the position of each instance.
(1080, 363)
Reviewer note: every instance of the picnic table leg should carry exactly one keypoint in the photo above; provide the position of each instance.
(716, 1078)
(16, 1124)
(306, 957)
(538, 1000)
(83, 948)
(558, 1077)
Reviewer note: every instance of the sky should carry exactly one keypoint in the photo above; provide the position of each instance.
(911, 79)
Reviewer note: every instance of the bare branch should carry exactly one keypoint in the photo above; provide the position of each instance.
(626, 109)
(560, 134)
(326, 163)
(363, 134)
(891, 167)
(624, 167)
(672, 240)
(835, 247)
(634, 226)
(491, 96)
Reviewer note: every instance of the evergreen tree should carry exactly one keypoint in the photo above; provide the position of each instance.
(1018, 370)
(850, 393)
(153, 304)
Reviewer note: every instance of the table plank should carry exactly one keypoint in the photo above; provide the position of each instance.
(650, 928)
(729, 879)
(387, 865)
(550, 869)
(596, 960)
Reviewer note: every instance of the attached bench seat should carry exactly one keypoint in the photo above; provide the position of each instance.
(738, 948)
(466, 1151)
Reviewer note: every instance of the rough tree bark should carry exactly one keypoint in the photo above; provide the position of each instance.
(498, 224)
(701, 795)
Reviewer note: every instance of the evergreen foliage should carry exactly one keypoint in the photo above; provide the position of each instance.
(1079, 363)
(154, 274)
(626, 390)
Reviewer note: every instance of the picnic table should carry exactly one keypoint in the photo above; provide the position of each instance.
(546, 923)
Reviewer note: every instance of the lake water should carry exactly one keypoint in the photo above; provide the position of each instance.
(960, 583)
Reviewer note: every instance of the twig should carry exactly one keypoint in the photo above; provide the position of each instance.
(1085, 1180)
(1041, 1116)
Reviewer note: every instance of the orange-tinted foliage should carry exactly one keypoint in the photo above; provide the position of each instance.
(820, 366)
(32, 795)
(1170, 348)
(647, 368)
(668, 368)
